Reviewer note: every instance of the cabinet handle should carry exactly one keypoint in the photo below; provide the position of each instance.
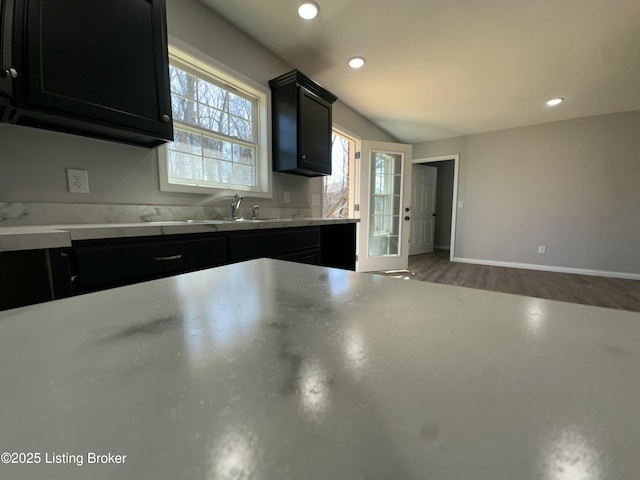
(166, 118)
(171, 257)
(10, 72)
(304, 157)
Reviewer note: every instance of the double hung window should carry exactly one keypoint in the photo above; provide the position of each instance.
(220, 130)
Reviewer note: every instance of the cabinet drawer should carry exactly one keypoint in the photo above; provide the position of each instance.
(272, 244)
(113, 265)
(309, 256)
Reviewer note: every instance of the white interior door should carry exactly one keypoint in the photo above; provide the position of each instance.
(423, 208)
(385, 193)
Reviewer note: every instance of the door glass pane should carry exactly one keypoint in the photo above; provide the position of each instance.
(385, 204)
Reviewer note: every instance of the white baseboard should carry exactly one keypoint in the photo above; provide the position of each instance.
(550, 268)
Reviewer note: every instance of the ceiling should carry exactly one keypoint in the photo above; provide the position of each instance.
(444, 68)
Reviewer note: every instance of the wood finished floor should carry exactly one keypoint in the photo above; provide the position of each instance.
(588, 290)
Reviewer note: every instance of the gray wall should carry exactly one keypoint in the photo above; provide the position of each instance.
(444, 202)
(33, 162)
(573, 186)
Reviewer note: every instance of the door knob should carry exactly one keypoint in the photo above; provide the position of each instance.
(10, 72)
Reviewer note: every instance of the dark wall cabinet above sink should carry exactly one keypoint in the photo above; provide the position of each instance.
(88, 67)
(302, 125)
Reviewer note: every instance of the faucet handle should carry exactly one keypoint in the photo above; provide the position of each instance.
(235, 205)
(254, 211)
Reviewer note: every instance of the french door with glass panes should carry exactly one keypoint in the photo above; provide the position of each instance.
(385, 196)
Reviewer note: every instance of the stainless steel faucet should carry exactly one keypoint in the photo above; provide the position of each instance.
(235, 205)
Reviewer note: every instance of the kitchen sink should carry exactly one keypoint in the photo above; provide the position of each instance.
(241, 220)
(259, 220)
(223, 221)
(208, 222)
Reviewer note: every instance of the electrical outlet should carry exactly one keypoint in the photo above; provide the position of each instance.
(287, 197)
(542, 249)
(315, 199)
(78, 180)
(460, 204)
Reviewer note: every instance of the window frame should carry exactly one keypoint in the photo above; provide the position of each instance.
(200, 63)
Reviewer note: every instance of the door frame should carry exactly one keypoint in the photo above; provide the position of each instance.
(354, 171)
(454, 202)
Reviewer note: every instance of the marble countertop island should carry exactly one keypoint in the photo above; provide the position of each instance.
(273, 370)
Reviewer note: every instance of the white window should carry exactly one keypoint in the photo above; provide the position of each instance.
(220, 137)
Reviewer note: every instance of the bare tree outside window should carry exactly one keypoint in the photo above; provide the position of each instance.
(214, 132)
(336, 188)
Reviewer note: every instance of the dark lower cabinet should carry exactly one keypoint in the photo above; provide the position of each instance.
(96, 267)
(93, 68)
(310, 257)
(338, 243)
(100, 264)
(34, 276)
(291, 244)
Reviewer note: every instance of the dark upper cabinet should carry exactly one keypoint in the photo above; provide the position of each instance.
(93, 68)
(6, 64)
(302, 124)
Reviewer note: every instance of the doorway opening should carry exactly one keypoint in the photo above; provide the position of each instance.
(447, 200)
(339, 188)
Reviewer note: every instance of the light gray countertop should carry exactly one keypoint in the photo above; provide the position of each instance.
(273, 370)
(54, 236)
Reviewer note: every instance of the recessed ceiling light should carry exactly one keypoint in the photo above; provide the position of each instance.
(356, 62)
(308, 10)
(555, 101)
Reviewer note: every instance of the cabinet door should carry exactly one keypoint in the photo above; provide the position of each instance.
(100, 61)
(24, 278)
(338, 246)
(314, 130)
(6, 17)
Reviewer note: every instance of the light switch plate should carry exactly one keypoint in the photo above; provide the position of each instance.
(460, 204)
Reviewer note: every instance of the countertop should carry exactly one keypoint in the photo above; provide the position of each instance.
(273, 370)
(54, 236)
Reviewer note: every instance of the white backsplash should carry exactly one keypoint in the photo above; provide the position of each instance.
(16, 214)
